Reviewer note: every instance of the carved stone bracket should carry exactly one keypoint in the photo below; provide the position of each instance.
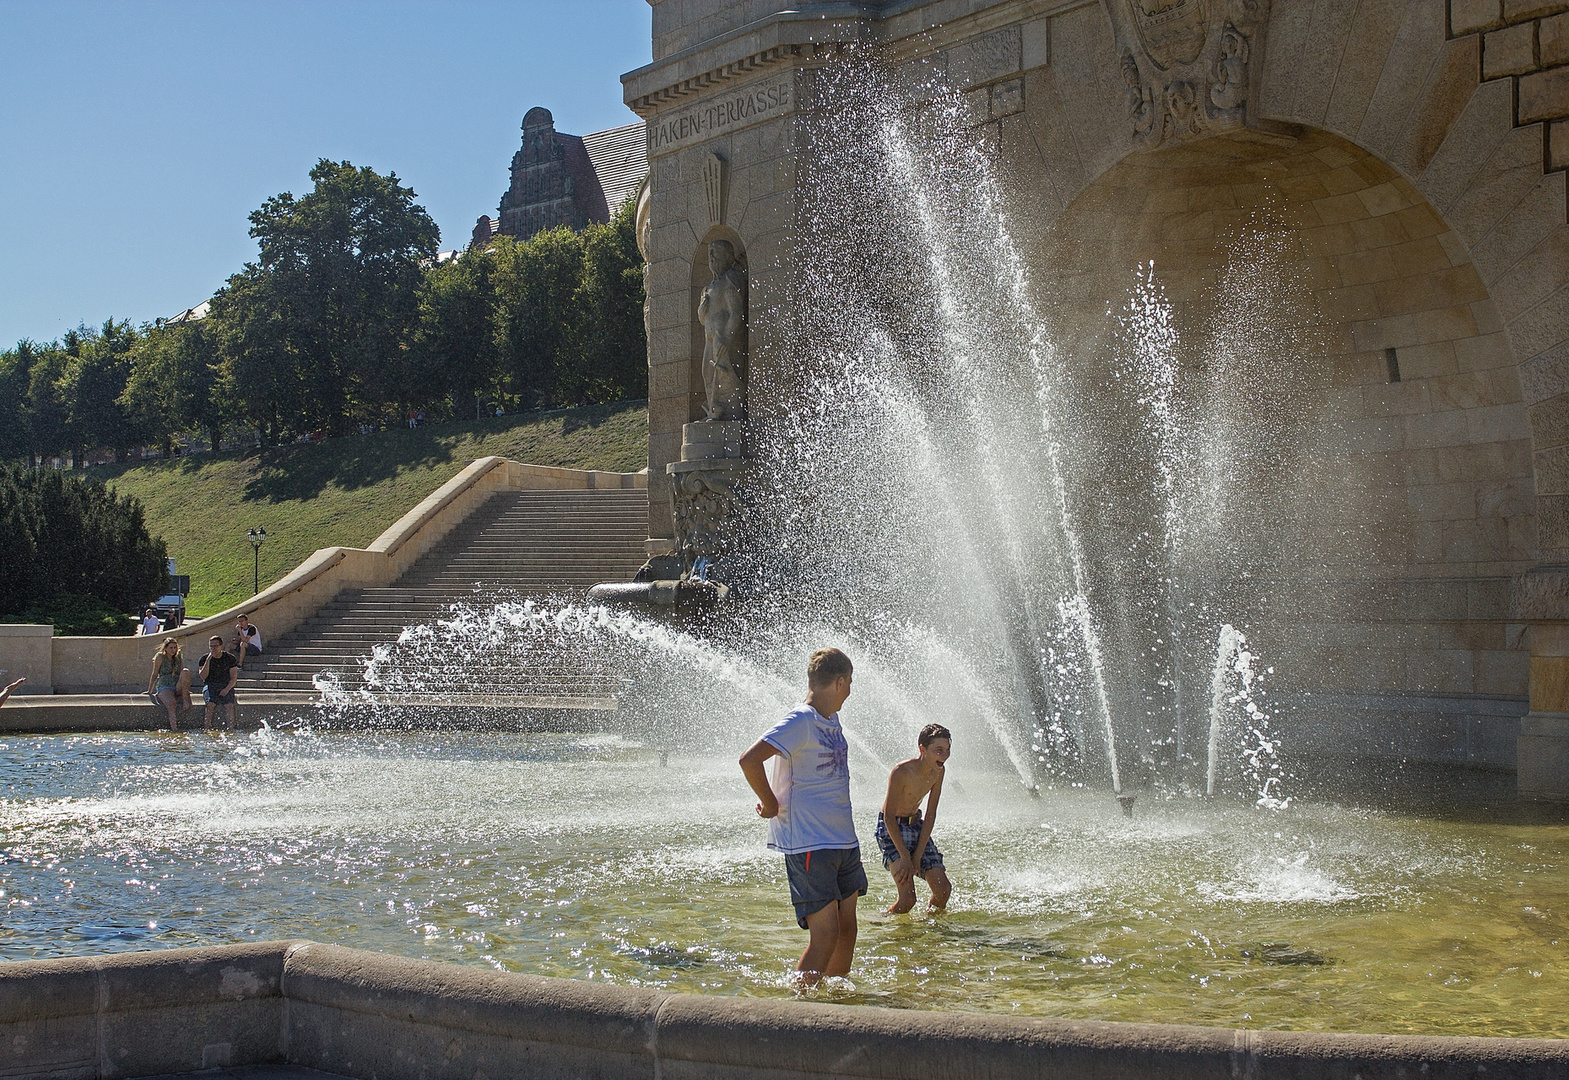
(1186, 65)
(705, 506)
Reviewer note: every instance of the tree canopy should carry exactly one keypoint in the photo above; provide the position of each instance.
(344, 321)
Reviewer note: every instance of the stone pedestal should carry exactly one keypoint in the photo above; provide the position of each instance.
(1543, 748)
(703, 498)
(709, 440)
(1542, 752)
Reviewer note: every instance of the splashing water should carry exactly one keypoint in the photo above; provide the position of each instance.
(1005, 542)
(1234, 683)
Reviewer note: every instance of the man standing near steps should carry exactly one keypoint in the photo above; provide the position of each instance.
(807, 805)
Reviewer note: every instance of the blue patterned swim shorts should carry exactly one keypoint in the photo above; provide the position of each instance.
(910, 833)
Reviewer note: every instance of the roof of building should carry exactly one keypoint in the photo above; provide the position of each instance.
(190, 314)
(620, 159)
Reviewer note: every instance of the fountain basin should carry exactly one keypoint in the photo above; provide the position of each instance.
(578, 856)
(352, 1013)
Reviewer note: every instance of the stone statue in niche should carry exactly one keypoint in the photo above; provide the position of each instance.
(722, 311)
(704, 507)
(1230, 89)
(1140, 102)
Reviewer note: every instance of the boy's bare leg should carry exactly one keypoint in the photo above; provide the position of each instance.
(938, 880)
(207, 717)
(228, 712)
(906, 899)
(844, 948)
(822, 926)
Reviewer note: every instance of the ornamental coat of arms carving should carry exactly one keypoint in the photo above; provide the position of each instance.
(1171, 31)
(1186, 64)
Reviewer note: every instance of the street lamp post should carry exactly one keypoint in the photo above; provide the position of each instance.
(257, 537)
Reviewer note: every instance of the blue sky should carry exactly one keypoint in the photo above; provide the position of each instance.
(136, 136)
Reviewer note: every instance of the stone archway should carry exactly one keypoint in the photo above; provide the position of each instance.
(1438, 129)
(1389, 554)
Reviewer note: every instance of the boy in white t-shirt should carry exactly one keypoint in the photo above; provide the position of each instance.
(807, 804)
(247, 639)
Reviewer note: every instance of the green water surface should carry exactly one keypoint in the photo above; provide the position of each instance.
(581, 857)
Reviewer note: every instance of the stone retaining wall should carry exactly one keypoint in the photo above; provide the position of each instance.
(364, 1015)
(103, 664)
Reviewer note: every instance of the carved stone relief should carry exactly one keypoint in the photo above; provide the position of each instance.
(705, 507)
(1185, 64)
(714, 188)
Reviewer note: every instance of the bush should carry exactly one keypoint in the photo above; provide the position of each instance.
(62, 535)
(76, 615)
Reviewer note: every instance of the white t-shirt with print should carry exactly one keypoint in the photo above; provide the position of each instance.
(811, 780)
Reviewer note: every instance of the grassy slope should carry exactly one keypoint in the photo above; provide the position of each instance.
(344, 491)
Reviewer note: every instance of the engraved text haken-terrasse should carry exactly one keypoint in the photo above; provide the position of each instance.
(693, 123)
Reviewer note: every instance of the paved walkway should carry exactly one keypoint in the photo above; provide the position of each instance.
(48, 713)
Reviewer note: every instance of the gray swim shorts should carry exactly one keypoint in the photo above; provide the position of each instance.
(823, 877)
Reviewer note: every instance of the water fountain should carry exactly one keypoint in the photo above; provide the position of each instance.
(1042, 568)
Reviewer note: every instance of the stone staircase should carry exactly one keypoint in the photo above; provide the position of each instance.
(518, 544)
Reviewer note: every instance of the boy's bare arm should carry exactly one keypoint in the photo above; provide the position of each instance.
(904, 869)
(752, 768)
(929, 819)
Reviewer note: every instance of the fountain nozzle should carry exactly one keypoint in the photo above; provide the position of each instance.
(1126, 802)
(1034, 790)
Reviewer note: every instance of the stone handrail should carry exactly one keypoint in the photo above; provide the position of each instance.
(364, 1015)
(98, 664)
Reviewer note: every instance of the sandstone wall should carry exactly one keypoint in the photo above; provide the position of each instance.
(1417, 149)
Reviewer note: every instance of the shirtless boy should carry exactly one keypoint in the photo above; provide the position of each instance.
(911, 781)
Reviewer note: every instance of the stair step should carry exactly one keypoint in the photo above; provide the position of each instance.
(521, 544)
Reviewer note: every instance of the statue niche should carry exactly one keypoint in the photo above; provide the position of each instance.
(722, 312)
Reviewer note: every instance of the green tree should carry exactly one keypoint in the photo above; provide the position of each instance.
(47, 411)
(612, 347)
(67, 536)
(537, 321)
(173, 385)
(15, 375)
(90, 387)
(261, 367)
(323, 316)
(453, 351)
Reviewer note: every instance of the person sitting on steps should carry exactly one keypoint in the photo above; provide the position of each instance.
(248, 640)
(169, 683)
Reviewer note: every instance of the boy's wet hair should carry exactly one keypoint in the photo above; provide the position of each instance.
(214, 638)
(930, 732)
(826, 665)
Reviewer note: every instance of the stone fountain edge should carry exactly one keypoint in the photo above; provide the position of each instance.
(366, 1015)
